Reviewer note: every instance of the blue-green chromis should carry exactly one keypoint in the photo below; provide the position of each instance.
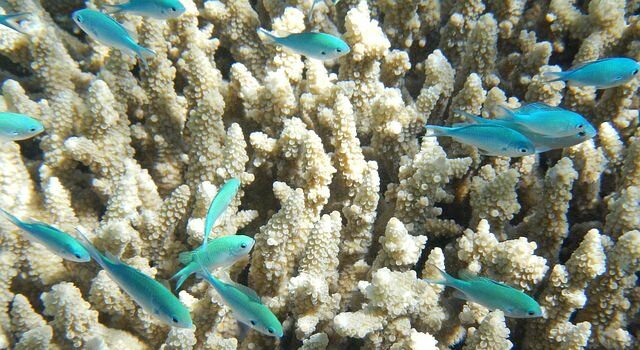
(218, 205)
(542, 143)
(107, 31)
(57, 241)
(491, 140)
(15, 127)
(603, 74)
(544, 119)
(159, 9)
(8, 20)
(320, 46)
(492, 295)
(219, 253)
(246, 305)
(151, 295)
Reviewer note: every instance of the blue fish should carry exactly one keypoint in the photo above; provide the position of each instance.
(150, 294)
(218, 205)
(491, 294)
(219, 253)
(246, 305)
(107, 31)
(544, 119)
(492, 140)
(159, 9)
(58, 242)
(320, 46)
(603, 74)
(542, 143)
(8, 20)
(16, 127)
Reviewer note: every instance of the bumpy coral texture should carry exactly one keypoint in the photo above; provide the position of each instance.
(349, 205)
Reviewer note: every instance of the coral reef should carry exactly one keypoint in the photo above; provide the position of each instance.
(349, 205)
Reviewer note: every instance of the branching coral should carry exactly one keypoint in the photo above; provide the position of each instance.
(350, 203)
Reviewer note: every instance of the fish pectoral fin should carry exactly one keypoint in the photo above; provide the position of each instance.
(459, 295)
(223, 275)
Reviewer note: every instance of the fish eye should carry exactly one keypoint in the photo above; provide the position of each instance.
(78, 256)
(531, 313)
(243, 245)
(580, 126)
(271, 330)
(635, 72)
(79, 18)
(523, 150)
(338, 50)
(173, 9)
(253, 323)
(175, 320)
(32, 129)
(323, 53)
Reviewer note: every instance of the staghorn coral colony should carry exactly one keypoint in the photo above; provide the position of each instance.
(350, 205)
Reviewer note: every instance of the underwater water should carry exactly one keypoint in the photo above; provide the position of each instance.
(399, 174)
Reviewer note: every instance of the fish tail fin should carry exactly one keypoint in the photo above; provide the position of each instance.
(181, 276)
(205, 274)
(144, 53)
(84, 242)
(111, 9)
(14, 220)
(549, 77)
(444, 279)
(437, 130)
(9, 21)
(266, 35)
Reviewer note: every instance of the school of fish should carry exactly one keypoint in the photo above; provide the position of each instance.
(532, 128)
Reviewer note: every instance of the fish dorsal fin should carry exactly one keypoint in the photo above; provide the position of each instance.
(582, 64)
(466, 275)
(537, 106)
(223, 275)
(247, 291)
(502, 112)
(112, 258)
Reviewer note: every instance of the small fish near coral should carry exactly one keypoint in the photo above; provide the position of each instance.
(219, 253)
(491, 294)
(151, 295)
(106, 30)
(17, 127)
(55, 240)
(159, 9)
(536, 122)
(8, 20)
(218, 205)
(320, 46)
(602, 74)
(491, 140)
(246, 305)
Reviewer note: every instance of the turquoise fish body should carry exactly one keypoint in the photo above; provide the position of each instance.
(15, 127)
(492, 140)
(107, 31)
(492, 295)
(219, 204)
(320, 46)
(545, 120)
(246, 306)
(151, 295)
(159, 9)
(542, 143)
(602, 74)
(57, 241)
(8, 21)
(219, 253)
